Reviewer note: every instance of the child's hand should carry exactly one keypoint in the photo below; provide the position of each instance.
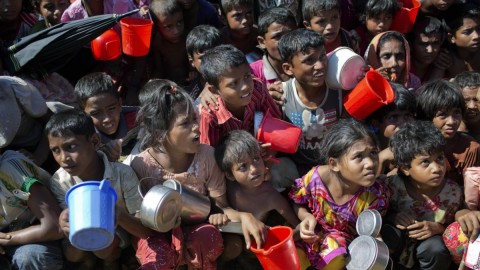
(144, 12)
(364, 70)
(307, 229)
(403, 220)
(276, 91)
(254, 227)
(218, 219)
(63, 222)
(113, 149)
(208, 98)
(422, 230)
(470, 224)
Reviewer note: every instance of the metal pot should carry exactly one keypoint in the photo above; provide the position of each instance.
(232, 227)
(367, 253)
(195, 206)
(369, 222)
(160, 208)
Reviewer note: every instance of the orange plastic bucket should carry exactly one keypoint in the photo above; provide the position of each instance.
(283, 136)
(371, 93)
(405, 17)
(278, 252)
(136, 35)
(107, 46)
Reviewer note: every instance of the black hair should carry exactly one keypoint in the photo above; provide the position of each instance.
(278, 15)
(468, 79)
(342, 136)
(374, 8)
(298, 40)
(202, 38)
(70, 123)
(157, 101)
(229, 5)
(405, 100)
(164, 7)
(233, 146)
(311, 8)
(94, 84)
(415, 138)
(428, 26)
(438, 95)
(457, 12)
(218, 60)
(389, 36)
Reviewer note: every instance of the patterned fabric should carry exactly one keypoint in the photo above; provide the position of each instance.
(335, 223)
(76, 11)
(216, 123)
(457, 243)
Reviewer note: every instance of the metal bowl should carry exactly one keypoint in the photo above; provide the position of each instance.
(369, 222)
(367, 253)
(160, 208)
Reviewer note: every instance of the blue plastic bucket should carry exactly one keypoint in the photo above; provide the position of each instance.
(91, 215)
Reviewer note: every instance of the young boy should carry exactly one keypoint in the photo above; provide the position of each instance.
(442, 103)
(423, 201)
(228, 75)
(98, 96)
(74, 143)
(168, 42)
(199, 40)
(469, 83)
(463, 27)
(240, 31)
(323, 17)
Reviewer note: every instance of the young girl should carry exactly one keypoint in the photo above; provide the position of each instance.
(329, 198)
(389, 54)
(173, 151)
(51, 11)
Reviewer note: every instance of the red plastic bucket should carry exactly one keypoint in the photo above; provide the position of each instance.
(107, 46)
(371, 93)
(136, 35)
(405, 17)
(278, 252)
(283, 136)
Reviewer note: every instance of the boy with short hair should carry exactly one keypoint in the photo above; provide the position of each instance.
(98, 96)
(240, 31)
(469, 82)
(228, 75)
(74, 143)
(323, 17)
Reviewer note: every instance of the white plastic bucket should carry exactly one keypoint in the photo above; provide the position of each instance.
(343, 68)
(91, 206)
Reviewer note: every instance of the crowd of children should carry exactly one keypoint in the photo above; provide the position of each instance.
(188, 111)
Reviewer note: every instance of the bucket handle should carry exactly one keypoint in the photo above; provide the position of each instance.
(139, 186)
(104, 185)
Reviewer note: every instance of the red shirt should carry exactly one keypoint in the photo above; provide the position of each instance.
(216, 123)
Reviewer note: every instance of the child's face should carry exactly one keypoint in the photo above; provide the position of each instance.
(240, 19)
(104, 109)
(249, 171)
(467, 37)
(326, 23)
(52, 10)
(392, 56)
(74, 153)
(183, 135)
(171, 27)
(236, 87)
(379, 24)
(472, 104)
(196, 60)
(426, 47)
(448, 121)
(359, 164)
(427, 170)
(270, 42)
(393, 121)
(10, 10)
(308, 68)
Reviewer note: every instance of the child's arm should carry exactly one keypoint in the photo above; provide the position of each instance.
(307, 224)
(470, 222)
(422, 230)
(280, 204)
(131, 224)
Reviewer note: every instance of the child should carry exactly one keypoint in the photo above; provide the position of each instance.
(168, 42)
(228, 75)
(423, 201)
(173, 151)
(469, 83)
(375, 17)
(74, 143)
(81, 9)
(429, 60)
(441, 102)
(98, 96)
(240, 31)
(389, 53)
(16, 21)
(199, 12)
(199, 40)
(51, 11)
(329, 198)
(463, 27)
(323, 17)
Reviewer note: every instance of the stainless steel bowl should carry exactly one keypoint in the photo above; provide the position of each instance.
(160, 208)
(369, 222)
(367, 253)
